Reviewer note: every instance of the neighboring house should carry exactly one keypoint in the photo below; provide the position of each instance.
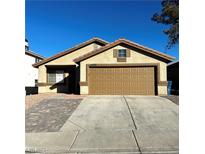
(173, 75)
(98, 67)
(31, 72)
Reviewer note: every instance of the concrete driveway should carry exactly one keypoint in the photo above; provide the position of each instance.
(114, 124)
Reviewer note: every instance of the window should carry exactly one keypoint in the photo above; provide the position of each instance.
(26, 48)
(56, 76)
(59, 76)
(122, 53)
(37, 60)
(36, 82)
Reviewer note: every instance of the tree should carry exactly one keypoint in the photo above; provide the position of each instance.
(169, 15)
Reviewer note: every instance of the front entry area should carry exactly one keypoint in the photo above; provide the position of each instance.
(62, 78)
(122, 80)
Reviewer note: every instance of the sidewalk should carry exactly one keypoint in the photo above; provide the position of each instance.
(84, 141)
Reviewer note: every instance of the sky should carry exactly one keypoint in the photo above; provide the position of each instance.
(54, 26)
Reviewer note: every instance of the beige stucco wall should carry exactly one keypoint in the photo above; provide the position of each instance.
(43, 79)
(135, 57)
(46, 89)
(64, 60)
(42, 74)
(83, 90)
(68, 59)
(162, 90)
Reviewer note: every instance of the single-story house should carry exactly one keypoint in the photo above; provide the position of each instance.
(173, 76)
(97, 67)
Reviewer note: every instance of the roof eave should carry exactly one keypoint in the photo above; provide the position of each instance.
(173, 62)
(34, 54)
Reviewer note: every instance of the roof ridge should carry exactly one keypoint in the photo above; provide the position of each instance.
(97, 39)
(87, 41)
(95, 50)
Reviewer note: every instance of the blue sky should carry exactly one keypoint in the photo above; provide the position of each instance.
(53, 26)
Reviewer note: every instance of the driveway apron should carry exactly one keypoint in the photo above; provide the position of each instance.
(157, 121)
(101, 112)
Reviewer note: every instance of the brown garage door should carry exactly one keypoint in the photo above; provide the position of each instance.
(121, 80)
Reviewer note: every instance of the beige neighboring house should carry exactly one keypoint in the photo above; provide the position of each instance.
(97, 67)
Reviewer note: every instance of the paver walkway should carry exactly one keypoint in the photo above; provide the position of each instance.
(50, 114)
(114, 124)
(31, 100)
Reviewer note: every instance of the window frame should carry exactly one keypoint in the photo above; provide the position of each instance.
(122, 55)
(55, 72)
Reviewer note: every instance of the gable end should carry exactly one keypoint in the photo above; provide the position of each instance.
(130, 45)
(77, 47)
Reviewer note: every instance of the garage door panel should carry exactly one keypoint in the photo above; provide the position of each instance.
(121, 81)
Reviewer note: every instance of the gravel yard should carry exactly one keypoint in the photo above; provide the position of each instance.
(173, 98)
(50, 114)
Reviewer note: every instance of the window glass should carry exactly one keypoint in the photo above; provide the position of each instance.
(59, 76)
(37, 60)
(51, 77)
(122, 53)
(56, 76)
